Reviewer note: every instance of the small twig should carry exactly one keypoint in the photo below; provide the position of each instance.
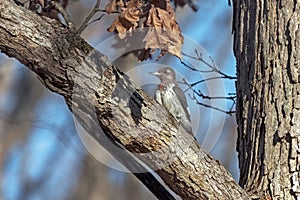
(99, 18)
(230, 112)
(208, 79)
(114, 12)
(62, 11)
(201, 81)
(232, 106)
(85, 23)
(200, 94)
(194, 69)
(209, 106)
(212, 66)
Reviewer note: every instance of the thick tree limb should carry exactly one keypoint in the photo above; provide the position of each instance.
(105, 101)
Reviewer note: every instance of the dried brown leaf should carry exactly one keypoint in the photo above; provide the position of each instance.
(164, 32)
(127, 20)
(114, 5)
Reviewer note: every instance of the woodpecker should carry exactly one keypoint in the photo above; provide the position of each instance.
(171, 96)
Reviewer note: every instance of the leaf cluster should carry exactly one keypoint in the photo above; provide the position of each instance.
(155, 17)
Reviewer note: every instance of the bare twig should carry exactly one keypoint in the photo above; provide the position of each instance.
(229, 112)
(212, 66)
(99, 18)
(196, 93)
(194, 69)
(232, 106)
(85, 23)
(62, 11)
(113, 12)
(200, 94)
(208, 79)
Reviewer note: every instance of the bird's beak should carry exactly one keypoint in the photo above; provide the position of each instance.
(154, 73)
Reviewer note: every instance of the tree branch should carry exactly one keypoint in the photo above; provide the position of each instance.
(89, 17)
(108, 106)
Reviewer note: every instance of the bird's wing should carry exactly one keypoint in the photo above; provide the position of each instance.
(157, 96)
(180, 94)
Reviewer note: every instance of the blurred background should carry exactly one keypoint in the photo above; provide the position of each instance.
(41, 153)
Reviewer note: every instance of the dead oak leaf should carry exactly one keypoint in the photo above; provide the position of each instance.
(156, 18)
(164, 33)
(114, 5)
(127, 20)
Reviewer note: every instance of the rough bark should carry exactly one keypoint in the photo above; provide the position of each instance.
(266, 46)
(102, 98)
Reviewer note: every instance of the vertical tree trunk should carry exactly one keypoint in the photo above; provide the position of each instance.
(266, 46)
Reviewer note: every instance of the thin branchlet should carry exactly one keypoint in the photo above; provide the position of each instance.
(197, 94)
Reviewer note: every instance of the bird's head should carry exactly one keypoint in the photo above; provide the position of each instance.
(166, 75)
